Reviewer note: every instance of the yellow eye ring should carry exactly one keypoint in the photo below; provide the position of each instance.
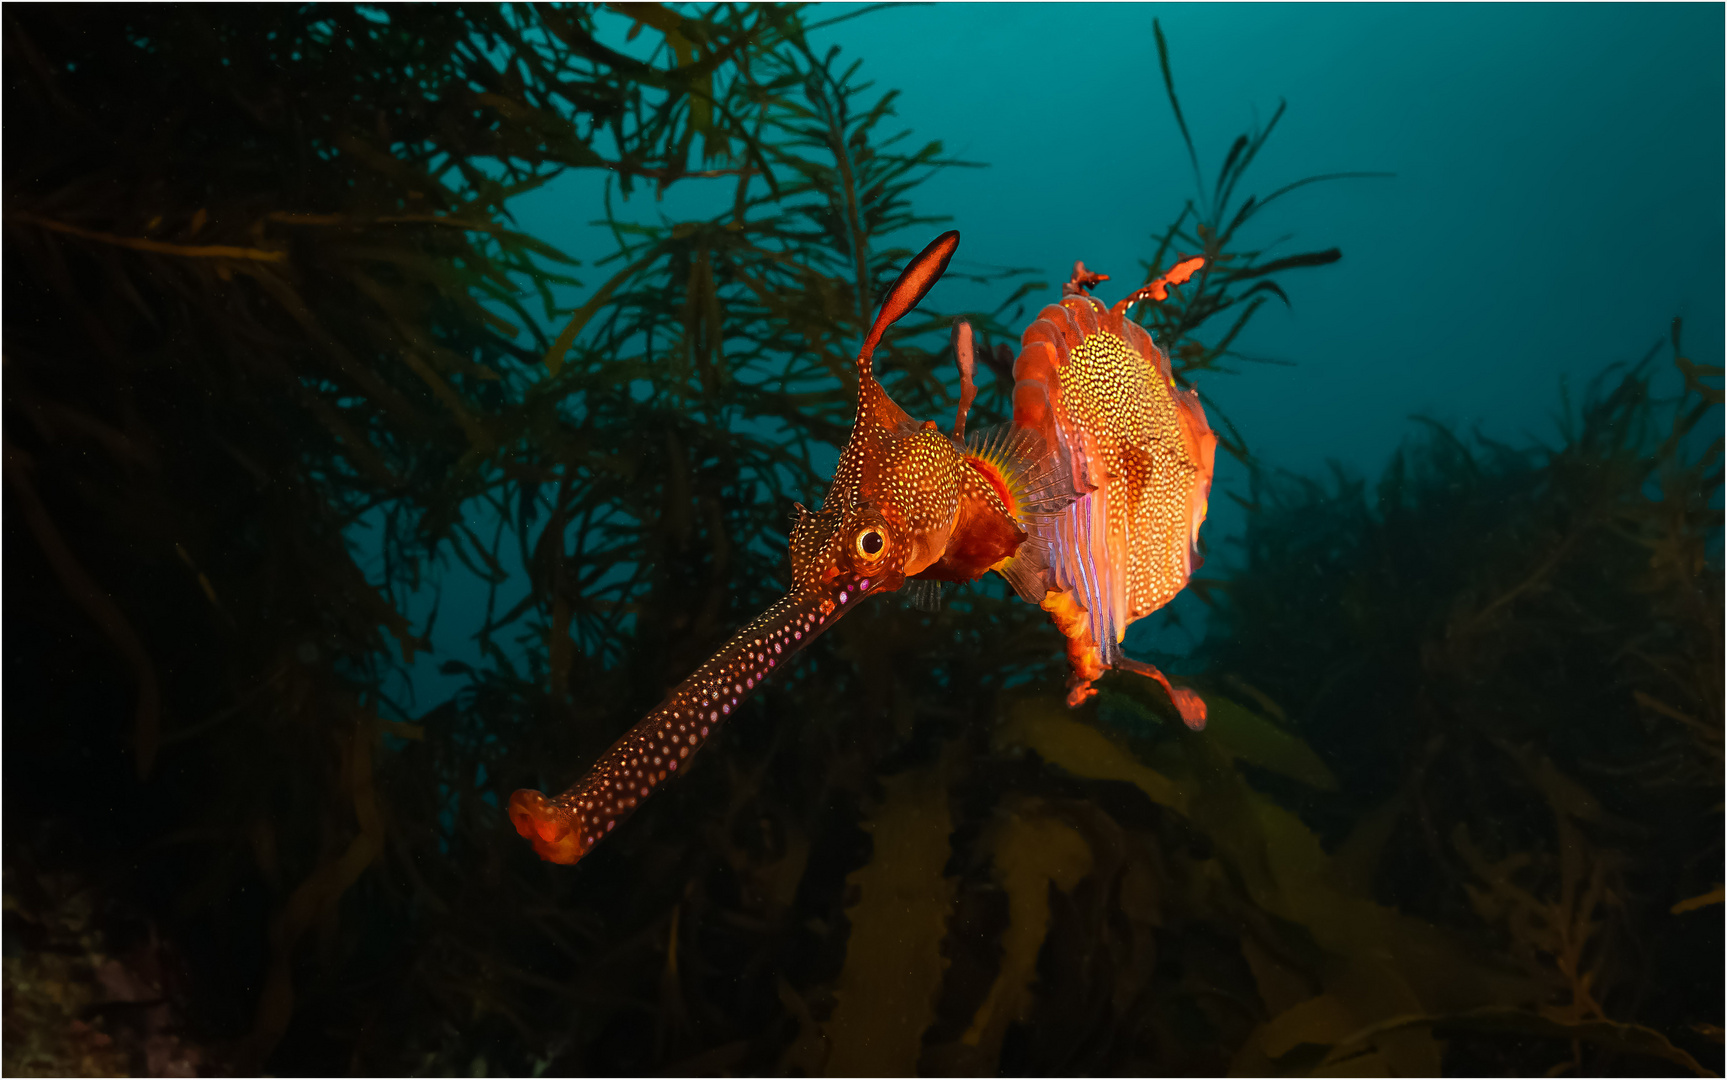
(870, 544)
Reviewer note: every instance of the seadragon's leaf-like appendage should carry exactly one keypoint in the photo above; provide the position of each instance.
(564, 828)
(1138, 447)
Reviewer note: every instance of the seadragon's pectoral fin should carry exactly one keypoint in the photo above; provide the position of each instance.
(565, 827)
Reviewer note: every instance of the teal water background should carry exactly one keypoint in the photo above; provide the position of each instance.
(1556, 201)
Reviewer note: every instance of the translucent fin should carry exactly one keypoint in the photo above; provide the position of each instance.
(1040, 487)
(923, 594)
(1036, 478)
(1071, 545)
(1082, 534)
(1029, 571)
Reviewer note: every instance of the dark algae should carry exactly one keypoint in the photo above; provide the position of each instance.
(281, 365)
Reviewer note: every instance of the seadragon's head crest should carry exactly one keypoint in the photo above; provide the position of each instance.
(892, 503)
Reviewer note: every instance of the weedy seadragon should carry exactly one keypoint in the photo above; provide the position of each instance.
(1089, 504)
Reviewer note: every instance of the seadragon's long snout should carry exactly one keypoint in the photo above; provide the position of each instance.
(565, 827)
(891, 510)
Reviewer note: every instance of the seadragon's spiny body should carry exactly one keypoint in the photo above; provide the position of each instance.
(1088, 504)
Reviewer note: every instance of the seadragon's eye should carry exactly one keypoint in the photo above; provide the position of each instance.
(870, 543)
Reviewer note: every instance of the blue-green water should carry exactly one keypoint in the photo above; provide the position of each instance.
(1555, 200)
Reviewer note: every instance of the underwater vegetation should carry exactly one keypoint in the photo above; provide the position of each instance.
(1457, 806)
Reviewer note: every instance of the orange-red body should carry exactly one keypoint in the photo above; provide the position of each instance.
(1098, 481)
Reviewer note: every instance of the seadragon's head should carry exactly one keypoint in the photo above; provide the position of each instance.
(904, 491)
